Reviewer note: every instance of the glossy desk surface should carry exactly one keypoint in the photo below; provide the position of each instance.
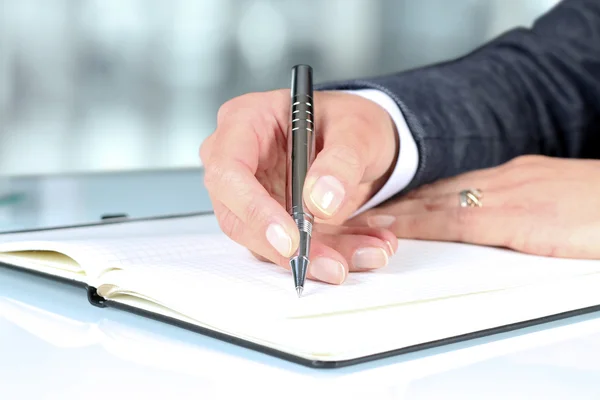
(54, 345)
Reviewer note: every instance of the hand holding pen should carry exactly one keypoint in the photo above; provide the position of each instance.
(245, 163)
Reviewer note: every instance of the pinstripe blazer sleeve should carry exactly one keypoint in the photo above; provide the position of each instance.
(528, 91)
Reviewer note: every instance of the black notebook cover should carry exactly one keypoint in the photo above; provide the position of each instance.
(97, 301)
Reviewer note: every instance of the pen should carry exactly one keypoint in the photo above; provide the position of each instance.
(300, 155)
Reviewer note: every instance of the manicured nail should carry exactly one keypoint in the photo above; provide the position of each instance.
(381, 221)
(370, 258)
(390, 248)
(327, 270)
(327, 194)
(279, 239)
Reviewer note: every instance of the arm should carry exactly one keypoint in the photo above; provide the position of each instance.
(530, 91)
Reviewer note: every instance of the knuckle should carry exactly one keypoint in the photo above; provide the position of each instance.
(226, 109)
(239, 104)
(208, 182)
(213, 174)
(204, 150)
(252, 212)
(231, 225)
(347, 159)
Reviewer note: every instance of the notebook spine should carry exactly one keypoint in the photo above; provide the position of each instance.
(94, 298)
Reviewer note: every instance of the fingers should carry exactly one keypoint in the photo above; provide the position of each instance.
(249, 212)
(249, 215)
(265, 247)
(385, 216)
(336, 251)
(481, 226)
(333, 255)
(363, 248)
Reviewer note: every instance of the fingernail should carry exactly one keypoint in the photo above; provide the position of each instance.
(390, 248)
(370, 258)
(279, 239)
(327, 194)
(381, 221)
(328, 270)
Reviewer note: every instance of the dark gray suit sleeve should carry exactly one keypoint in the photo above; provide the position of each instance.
(529, 91)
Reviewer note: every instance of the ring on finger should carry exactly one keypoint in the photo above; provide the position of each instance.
(470, 198)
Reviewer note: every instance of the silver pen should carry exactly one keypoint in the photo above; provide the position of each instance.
(300, 155)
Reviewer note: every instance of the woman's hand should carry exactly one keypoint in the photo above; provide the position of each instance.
(532, 204)
(245, 170)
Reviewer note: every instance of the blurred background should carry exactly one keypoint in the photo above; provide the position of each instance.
(118, 86)
(95, 85)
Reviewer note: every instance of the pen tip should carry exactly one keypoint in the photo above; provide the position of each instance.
(299, 291)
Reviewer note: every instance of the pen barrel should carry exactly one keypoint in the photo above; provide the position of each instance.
(301, 146)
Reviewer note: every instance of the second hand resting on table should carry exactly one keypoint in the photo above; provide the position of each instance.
(533, 204)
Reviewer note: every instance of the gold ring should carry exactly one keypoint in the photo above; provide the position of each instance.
(471, 198)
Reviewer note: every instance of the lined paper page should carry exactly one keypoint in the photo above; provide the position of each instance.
(78, 243)
(184, 270)
(433, 290)
(88, 257)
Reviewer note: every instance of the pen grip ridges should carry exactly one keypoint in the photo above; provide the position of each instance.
(302, 113)
(304, 225)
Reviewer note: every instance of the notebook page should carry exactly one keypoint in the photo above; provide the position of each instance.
(52, 263)
(347, 335)
(35, 249)
(188, 271)
(66, 258)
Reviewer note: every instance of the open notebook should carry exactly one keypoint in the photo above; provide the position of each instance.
(432, 293)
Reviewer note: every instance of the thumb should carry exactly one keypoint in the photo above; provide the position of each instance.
(359, 144)
(333, 179)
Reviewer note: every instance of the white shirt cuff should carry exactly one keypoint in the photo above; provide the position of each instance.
(408, 157)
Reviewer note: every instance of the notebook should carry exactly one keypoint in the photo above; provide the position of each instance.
(183, 271)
